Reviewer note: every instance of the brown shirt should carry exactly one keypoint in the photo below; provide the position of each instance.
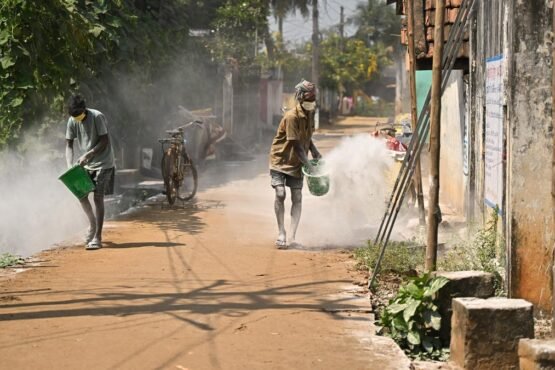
(295, 125)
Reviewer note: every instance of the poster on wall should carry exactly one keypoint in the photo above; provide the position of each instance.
(494, 184)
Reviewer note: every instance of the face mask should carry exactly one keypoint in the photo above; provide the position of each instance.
(80, 117)
(309, 105)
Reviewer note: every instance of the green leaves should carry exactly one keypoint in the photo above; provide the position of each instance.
(7, 62)
(411, 318)
(435, 286)
(409, 312)
(413, 337)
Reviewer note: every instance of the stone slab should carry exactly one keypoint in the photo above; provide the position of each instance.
(477, 284)
(537, 354)
(485, 332)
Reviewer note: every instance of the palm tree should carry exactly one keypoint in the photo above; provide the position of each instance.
(281, 8)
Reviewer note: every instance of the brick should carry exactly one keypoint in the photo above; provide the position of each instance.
(485, 332)
(536, 354)
(477, 284)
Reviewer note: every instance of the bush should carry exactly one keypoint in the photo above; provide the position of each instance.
(483, 252)
(8, 260)
(412, 318)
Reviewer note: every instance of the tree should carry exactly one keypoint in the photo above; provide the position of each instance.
(241, 26)
(350, 69)
(88, 45)
(377, 23)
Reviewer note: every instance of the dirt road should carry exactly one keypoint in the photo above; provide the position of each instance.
(194, 287)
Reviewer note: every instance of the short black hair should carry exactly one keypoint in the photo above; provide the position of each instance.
(76, 105)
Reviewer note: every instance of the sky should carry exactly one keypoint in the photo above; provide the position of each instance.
(296, 29)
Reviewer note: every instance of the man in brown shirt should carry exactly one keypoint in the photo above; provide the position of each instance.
(289, 152)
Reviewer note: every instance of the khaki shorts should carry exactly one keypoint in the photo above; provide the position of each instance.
(282, 179)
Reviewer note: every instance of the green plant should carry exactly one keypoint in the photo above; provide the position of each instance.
(8, 260)
(483, 252)
(412, 318)
(399, 257)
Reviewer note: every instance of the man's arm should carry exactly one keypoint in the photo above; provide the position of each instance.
(103, 142)
(299, 151)
(314, 151)
(69, 152)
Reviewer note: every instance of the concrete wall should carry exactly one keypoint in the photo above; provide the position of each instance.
(452, 178)
(521, 31)
(530, 146)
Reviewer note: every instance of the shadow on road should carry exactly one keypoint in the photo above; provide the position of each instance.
(218, 297)
(140, 245)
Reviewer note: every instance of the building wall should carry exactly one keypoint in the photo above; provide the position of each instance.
(530, 147)
(452, 178)
(521, 31)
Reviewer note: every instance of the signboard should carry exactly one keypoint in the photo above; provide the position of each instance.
(494, 144)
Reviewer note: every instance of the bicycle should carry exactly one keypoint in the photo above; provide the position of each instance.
(178, 170)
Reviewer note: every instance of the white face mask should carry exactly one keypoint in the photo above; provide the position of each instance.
(309, 105)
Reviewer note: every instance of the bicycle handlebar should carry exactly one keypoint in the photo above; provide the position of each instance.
(178, 131)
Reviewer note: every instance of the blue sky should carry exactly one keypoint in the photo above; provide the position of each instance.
(296, 29)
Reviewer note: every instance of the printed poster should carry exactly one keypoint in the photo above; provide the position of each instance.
(494, 144)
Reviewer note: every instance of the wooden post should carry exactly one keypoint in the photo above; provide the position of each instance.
(434, 214)
(316, 57)
(553, 183)
(413, 108)
(341, 27)
(315, 43)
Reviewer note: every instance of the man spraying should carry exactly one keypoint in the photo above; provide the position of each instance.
(89, 127)
(289, 152)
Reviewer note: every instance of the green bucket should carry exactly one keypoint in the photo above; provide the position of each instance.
(318, 180)
(78, 181)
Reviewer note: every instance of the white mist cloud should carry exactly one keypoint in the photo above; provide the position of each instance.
(356, 200)
(37, 210)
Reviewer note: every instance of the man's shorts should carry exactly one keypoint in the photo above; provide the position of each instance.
(282, 179)
(103, 181)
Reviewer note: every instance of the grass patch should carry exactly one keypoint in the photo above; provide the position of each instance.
(403, 258)
(9, 260)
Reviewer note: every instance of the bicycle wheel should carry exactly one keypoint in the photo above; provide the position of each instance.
(189, 180)
(168, 164)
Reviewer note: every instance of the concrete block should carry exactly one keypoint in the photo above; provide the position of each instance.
(536, 354)
(476, 284)
(485, 332)
(126, 178)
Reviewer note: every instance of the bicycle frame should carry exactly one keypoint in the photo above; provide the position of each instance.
(177, 165)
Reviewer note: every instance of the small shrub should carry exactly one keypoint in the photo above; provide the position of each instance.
(483, 252)
(8, 260)
(399, 257)
(412, 319)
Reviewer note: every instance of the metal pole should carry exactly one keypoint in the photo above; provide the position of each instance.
(434, 214)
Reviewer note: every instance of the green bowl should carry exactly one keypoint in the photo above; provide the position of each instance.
(318, 180)
(78, 181)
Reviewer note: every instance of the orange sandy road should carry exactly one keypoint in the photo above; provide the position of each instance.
(194, 287)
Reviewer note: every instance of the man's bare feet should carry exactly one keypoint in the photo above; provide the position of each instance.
(281, 241)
